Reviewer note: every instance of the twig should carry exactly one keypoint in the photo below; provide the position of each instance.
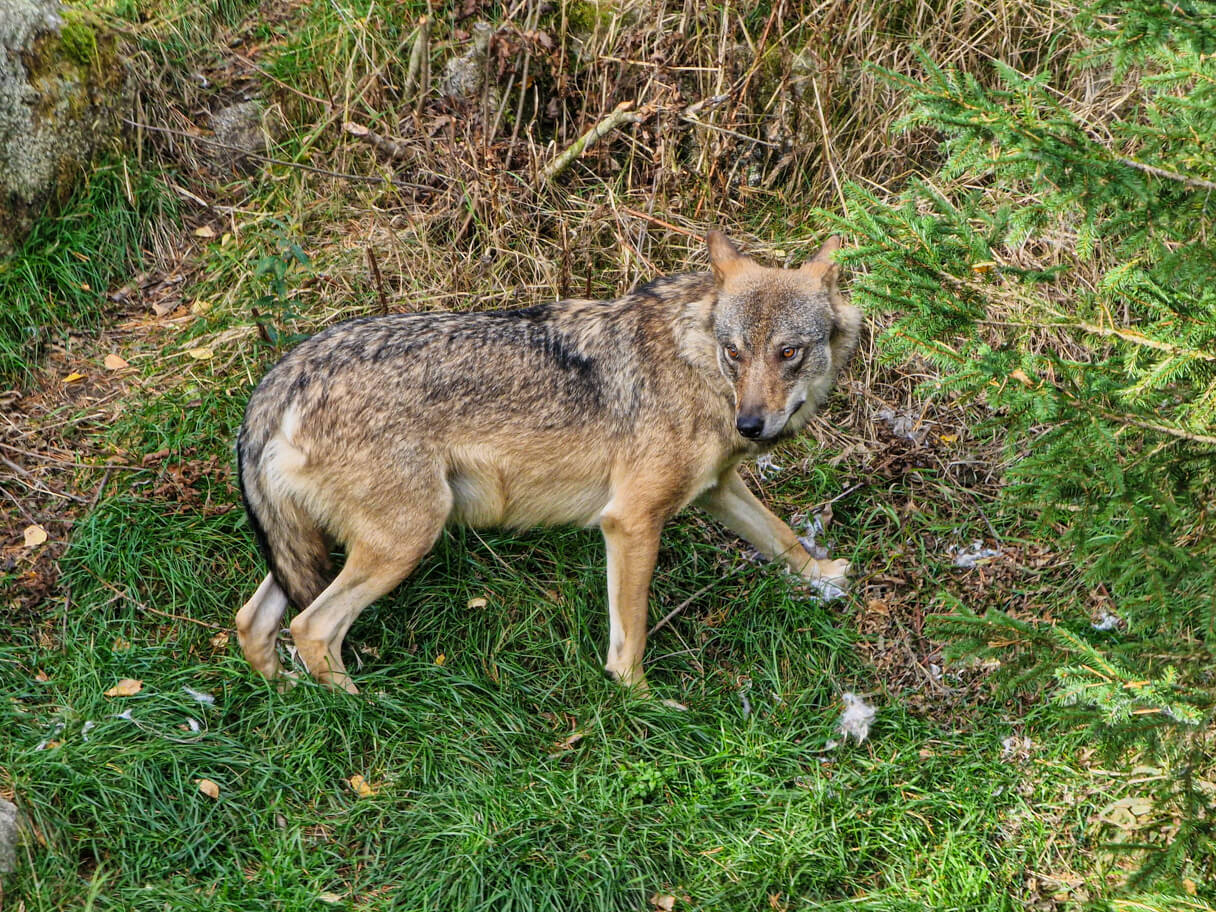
(36, 485)
(696, 595)
(662, 224)
(621, 114)
(142, 607)
(371, 260)
(1166, 173)
(390, 147)
(420, 49)
(358, 178)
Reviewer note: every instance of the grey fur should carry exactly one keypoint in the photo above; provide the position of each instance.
(377, 432)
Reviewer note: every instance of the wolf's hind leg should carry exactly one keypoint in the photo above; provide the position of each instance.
(257, 623)
(731, 503)
(369, 573)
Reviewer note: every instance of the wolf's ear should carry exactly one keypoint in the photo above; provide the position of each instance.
(724, 257)
(821, 265)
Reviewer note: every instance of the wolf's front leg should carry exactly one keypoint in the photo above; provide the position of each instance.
(632, 543)
(731, 503)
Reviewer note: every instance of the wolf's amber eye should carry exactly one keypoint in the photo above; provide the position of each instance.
(731, 352)
(789, 353)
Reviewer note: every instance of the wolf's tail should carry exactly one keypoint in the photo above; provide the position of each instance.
(293, 544)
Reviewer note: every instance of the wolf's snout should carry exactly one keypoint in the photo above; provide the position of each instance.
(750, 426)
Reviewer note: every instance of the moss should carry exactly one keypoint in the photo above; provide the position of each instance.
(583, 17)
(78, 38)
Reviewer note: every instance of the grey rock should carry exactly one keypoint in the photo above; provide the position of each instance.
(8, 837)
(239, 128)
(61, 85)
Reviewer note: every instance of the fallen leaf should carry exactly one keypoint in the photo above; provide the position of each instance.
(41, 676)
(208, 788)
(204, 231)
(663, 901)
(330, 898)
(477, 603)
(200, 307)
(127, 687)
(116, 362)
(354, 129)
(441, 658)
(73, 377)
(121, 645)
(1020, 376)
(361, 786)
(220, 640)
(164, 307)
(35, 535)
(199, 354)
(568, 743)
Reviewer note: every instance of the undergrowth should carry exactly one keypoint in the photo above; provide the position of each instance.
(56, 282)
(403, 167)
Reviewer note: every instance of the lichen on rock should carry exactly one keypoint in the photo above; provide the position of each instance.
(61, 85)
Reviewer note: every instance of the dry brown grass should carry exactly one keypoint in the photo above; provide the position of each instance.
(746, 117)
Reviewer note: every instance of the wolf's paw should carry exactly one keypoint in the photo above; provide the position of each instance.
(830, 578)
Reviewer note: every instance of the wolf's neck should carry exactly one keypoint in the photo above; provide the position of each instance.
(694, 335)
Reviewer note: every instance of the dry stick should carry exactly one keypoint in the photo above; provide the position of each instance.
(371, 260)
(696, 595)
(390, 147)
(662, 224)
(621, 114)
(142, 607)
(358, 178)
(414, 69)
(827, 147)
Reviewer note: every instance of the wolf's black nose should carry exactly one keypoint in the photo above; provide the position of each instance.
(750, 426)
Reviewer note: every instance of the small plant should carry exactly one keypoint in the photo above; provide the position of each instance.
(273, 311)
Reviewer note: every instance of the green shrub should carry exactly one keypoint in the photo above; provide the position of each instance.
(1061, 269)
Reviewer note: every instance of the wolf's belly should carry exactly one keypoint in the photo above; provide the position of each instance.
(522, 490)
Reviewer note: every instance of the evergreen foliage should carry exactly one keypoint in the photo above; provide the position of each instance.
(1061, 268)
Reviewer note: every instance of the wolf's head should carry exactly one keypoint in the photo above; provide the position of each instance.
(782, 334)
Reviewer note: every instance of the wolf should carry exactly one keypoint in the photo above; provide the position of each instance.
(378, 432)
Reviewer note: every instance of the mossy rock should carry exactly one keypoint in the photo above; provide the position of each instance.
(62, 88)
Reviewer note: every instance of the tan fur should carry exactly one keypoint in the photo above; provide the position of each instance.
(376, 433)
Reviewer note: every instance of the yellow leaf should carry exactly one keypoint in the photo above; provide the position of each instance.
(121, 645)
(127, 687)
(330, 898)
(115, 362)
(73, 377)
(199, 354)
(441, 658)
(208, 788)
(983, 267)
(35, 535)
(220, 640)
(204, 231)
(948, 438)
(200, 307)
(663, 901)
(361, 786)
(1020, 376)
(477, 603)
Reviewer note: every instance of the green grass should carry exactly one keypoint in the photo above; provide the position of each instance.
(476, 805)
(482, 799)
(56, 282)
